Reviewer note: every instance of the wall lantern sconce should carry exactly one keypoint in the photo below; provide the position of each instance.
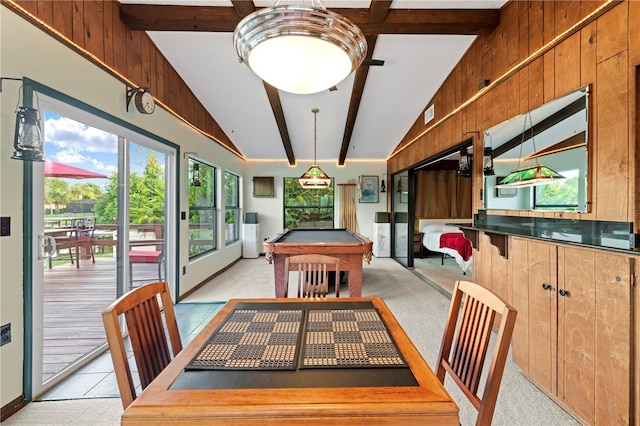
(195, 175)
(383, 187)
(464, 163)
(488, 161)
(28, 141)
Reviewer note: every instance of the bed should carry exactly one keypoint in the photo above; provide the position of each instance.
(439, 237)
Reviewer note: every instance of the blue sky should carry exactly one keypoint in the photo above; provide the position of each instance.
(70, 142)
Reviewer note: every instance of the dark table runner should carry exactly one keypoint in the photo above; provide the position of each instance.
(253, 339)
(263, 338)
(348, 338)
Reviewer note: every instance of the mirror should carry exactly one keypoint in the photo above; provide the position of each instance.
(554, 135)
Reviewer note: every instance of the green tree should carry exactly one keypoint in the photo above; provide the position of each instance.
(148, 191)
(106, 209)
(87, 191)
(56, 192)
(302, 204)
(146, 196)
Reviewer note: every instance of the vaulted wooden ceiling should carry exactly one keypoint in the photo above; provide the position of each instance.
(380, 18)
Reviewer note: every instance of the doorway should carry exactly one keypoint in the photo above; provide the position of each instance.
(105, 193)
(437, 190)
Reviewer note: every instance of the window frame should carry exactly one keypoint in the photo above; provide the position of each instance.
(231, 209)
(559, 207)
(332, 207)
(208, 173)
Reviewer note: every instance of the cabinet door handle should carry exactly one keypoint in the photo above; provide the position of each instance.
(545, 286)
(563, 292)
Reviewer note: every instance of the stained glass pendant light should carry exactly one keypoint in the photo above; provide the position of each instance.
(315, 177)
(530, 176)
(536, 175)
(298, 48)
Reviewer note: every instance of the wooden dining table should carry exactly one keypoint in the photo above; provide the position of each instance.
(316, 382)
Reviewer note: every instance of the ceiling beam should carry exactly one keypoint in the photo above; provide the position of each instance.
(378, 12)
(244, 8)
(278, 113)
(379, 18)
(157, 17)
(356, 97)
(555, 118)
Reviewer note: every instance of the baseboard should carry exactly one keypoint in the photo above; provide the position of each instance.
(11, 408)
(209, 278)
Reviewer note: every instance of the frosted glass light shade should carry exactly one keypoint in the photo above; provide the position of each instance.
(299, 49)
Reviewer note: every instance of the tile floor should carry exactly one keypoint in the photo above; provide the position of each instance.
(97, 379)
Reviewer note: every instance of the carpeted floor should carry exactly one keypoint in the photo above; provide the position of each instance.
(420, 308)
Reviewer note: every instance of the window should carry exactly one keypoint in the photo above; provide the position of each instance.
(562, 195)
(232, 208)
(307, 208)
(202, 208)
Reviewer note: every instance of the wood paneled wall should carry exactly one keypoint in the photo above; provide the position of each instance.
(530, 60)
(94, 29)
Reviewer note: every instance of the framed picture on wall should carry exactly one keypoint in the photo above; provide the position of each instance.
(263, 186)
(369, 189)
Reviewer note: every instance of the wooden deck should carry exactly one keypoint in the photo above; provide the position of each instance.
(74, 299)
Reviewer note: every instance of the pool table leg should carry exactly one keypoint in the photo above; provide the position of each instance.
(354, 277)
(278, 271)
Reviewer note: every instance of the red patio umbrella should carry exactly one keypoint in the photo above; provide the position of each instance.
(59, 170)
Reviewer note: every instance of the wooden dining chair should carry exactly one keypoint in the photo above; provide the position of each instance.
(465, 344)
(143, 317)
(313, 274)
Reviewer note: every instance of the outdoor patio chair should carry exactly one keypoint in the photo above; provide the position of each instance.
(85, 228)
(80, 239)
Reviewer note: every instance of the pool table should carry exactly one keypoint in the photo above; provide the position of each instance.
(351, 248)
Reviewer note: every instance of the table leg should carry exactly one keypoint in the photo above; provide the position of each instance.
(278, 272)
(77, 252)
(354, 278)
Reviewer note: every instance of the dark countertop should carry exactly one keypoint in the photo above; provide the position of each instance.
(599, 235)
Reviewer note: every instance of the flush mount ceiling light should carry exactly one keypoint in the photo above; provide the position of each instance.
(530, 176)
(299, 49)
(315, 177)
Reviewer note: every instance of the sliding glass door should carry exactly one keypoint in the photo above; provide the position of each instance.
(103, 222)
(400, 220)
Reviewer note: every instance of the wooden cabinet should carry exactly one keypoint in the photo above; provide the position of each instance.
(418, 247)
(573, 336)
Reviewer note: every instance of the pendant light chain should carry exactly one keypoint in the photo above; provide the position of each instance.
(315, 112)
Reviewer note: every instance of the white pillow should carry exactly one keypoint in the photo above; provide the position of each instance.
(433, 227)
(449, 229)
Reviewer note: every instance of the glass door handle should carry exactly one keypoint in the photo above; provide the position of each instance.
(46, 247)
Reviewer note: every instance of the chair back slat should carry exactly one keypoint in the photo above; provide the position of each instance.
(313, 274)
(143, 316)
(465, 344)
(146, 332)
